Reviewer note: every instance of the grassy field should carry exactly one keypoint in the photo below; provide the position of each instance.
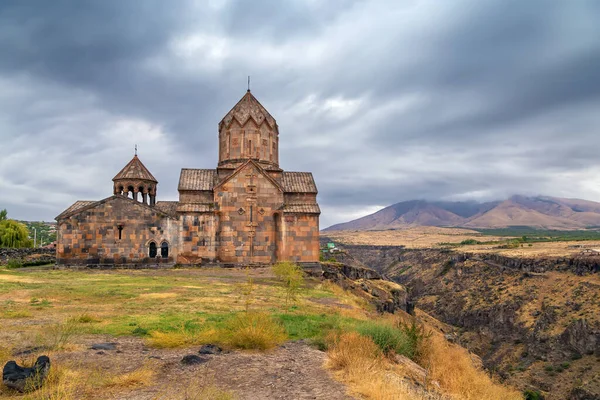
(157, 316)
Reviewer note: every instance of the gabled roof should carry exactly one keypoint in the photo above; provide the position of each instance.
(135, 170)
(299, 182)
(248, 107)
(260, 169)
(301, 209)
(196, 179)
(91, 204)
(195, 207)
(76, 206)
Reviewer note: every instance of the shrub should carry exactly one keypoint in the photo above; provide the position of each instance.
(533, 395)
(57, 336)
(14, 263)
(351, 349)
(254, 330)
(417, 337)
(388, 338)
(292, 277)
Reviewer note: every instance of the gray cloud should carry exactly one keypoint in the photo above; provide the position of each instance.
(384, 101)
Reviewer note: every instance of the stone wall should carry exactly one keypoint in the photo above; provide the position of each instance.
(116, 231)
(299, 237)
(42, 255)
(198, 238)
(246, 204)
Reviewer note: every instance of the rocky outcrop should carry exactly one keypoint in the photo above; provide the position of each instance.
(581, 338)
(386, 295)
(578, 265)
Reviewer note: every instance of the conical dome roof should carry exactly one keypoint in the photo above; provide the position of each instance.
(135, 170)
(248, 107)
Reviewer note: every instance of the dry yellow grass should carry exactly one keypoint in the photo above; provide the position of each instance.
(358, 362)
(142, 376)
(452, 367)
(60, 385)
(254, 330)
(415, 238)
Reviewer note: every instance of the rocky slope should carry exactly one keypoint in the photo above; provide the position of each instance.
(534, 322)
(538, 212)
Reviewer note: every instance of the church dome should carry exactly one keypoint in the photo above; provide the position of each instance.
(248, 107)
(136, 181)
(246, 132)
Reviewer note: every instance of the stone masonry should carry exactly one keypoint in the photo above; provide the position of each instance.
(246, 211)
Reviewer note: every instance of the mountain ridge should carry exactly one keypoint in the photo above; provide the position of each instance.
(541, 212)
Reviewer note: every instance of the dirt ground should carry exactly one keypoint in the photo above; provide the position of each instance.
(291, 371)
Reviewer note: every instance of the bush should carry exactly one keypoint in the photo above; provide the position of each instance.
(57, 336)
(292, 277)
(254, 330)
(14, 263)
(388, 338)
(350, 349)
(533, 395)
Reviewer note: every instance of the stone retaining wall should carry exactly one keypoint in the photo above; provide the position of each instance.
(45, 255)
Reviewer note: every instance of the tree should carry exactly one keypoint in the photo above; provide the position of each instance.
(13, 234)
(3, 215)
(292, 277)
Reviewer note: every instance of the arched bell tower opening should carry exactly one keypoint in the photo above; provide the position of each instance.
(136, 182)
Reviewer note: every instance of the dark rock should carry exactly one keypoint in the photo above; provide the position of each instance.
(581, 337)
(104, 346)
(25, 379)
(210, 349)
(191, 359)
(100, 352)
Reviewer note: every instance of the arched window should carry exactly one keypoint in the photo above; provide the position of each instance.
(130, 190)
(152, 250)
(164, 250)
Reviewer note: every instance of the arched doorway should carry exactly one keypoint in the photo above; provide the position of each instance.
(152, 251)
(164, 250)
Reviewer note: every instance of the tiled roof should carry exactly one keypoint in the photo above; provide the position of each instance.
(299, 182)
(302, 208)
(248, 107)
(135, 169)
(168, 207)
(75, 206)
(196, 179)
(194, 207)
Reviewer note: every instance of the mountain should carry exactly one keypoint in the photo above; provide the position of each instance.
(541, 212)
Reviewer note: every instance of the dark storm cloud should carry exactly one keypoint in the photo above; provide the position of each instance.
(384, 101)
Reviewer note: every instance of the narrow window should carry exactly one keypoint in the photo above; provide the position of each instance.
(164, 250)
(120, 228)
(152, 250)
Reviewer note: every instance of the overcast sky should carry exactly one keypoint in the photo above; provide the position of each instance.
(383, 101)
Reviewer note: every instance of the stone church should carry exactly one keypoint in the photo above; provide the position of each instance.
(246, 211)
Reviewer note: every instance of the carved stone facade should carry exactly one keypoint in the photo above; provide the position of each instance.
(246, 211)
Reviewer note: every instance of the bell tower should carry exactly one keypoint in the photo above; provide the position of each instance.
(248, 131)
(136, 182)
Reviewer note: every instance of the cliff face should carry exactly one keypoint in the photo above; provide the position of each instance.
(385, 295)
(534, 322)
